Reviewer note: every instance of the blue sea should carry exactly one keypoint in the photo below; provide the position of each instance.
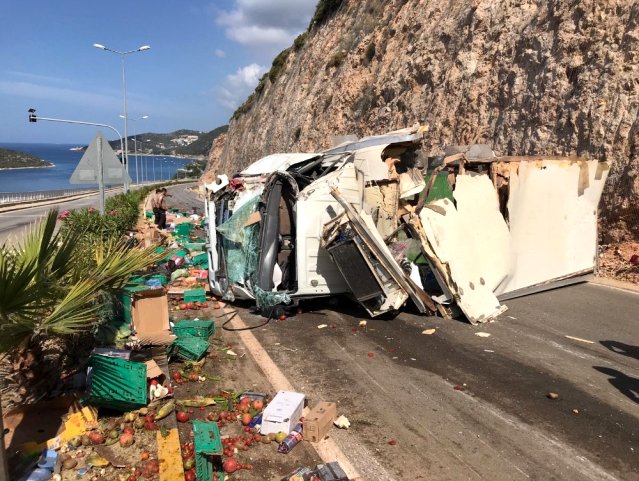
(149, 168)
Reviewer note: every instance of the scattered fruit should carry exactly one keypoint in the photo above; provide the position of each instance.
(126, 439)
(230, 465)
(130, 417)
(246, 419)
(144, 455)
(258, 404)
(182, 416)
(282, 317)
(392, 442)
(69, 463)
(279, 437)
(151, 467)
(95, 437)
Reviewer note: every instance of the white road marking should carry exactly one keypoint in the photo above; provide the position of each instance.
(326, 449)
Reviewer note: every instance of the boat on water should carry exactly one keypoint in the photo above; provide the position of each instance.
(77, 148)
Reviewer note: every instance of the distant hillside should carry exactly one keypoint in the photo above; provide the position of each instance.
(13, 159)
(181, 142)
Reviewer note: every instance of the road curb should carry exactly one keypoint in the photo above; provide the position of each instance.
(326, 449)
(623, 285)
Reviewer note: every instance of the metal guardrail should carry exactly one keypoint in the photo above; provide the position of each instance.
(17, 197)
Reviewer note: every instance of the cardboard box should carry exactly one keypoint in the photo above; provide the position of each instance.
(319, 421)
(282, 413)
(150, 317)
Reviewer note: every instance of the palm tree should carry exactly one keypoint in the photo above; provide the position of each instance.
(48, 290)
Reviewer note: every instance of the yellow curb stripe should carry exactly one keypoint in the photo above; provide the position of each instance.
(170, 456)
(326, 449)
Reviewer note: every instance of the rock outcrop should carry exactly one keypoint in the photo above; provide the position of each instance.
(524, 76)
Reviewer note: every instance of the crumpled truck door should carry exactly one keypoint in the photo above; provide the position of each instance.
(393, 275)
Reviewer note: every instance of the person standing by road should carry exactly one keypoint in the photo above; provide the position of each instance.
(162, 208)
(155, 200)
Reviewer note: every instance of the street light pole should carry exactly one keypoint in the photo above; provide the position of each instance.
(135, 139)
(126, 127)
(34, 118)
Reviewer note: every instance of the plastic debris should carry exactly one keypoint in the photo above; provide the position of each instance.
(342, 422)
(362, 323)
(322, 326)
(482, 334)
(429, 332)
(552, 395)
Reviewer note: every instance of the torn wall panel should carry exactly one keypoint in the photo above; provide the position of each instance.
(467, 242)
(552, 209)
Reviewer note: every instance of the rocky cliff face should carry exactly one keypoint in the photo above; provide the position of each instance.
(526, 77)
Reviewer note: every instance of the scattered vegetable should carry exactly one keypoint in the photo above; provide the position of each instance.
(182, 416)
(95, 437)
(165, 410)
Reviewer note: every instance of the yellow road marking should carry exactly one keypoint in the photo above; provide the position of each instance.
(170, 456)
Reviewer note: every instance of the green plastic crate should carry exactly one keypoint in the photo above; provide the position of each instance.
(183, 229)
(195, 295)
(117, 383)
(200, 259)
(149, 215)
(190, 348)
(194, 328)
(137, 280)
(208, 450)
(159, 250)
(194, 246)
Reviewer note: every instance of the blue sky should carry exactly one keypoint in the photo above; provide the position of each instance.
(205, 58)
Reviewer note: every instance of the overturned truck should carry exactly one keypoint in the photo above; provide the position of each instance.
(377, 219)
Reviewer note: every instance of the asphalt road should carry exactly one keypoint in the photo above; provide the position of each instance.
(13, 224)
(459, 406)
(464, 407)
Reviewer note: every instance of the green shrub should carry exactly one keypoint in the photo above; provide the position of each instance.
(324, 10)
(261, 84)
(245, 107)
(336, 60)
(299, 41)
(279, 63)
(120, 215)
